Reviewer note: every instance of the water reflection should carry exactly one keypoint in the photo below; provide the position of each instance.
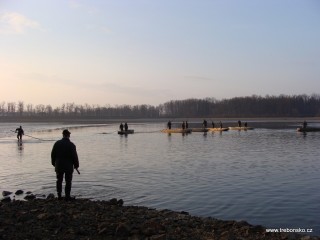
(20, 146)
(229, 175)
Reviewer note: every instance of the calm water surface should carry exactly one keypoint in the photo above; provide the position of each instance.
(267, 176)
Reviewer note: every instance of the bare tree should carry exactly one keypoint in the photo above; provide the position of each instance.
(48, 110)
(11, 108)
(30, 109)
(20, 107)
(2, 108)
(40, 109)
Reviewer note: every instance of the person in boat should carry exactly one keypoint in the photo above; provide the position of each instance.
(220, 124)
(212, 124)
(304, 124)
(239, 123)
(246, 124)
(121, 127)
(169, 124)
(19, 132)
(126, 126)
(205, 123)
(187, 125)
(64, 158)
(183, 125)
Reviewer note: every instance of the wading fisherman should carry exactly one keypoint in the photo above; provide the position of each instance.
(169, 124)
(20, 133)
(64, 158)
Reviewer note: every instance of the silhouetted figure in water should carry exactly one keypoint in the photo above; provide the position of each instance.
(121, 127)
(205, 123)
(126, 126)
(304, 124)
(212, 124)
(64, 158)
(220, 124)
(183, 125)
(239, 123)
(169, 124)
(187, 125)
(19, 132)
(246, 124)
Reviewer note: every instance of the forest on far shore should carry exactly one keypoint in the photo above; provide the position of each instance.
(238, 107)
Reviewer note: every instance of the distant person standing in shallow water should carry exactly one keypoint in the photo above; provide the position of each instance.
(205, 123)
(64, 158)
(169, 124)
(20, 133)
(304, 124)
(183, 125)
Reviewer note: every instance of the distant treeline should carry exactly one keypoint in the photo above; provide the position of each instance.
(244, 107)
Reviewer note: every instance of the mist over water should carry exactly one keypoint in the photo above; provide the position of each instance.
(268, 176)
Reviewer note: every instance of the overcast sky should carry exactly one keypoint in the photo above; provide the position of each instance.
(152, 51)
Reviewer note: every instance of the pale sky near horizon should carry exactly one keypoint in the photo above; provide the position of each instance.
(152, 51)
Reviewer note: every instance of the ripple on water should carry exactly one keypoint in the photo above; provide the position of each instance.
(264, 176)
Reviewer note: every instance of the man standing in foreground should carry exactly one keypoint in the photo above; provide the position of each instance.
(64, 158)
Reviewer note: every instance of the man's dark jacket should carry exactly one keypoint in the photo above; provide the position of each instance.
(64, 156)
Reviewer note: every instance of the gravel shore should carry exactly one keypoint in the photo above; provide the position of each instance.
(85, 219)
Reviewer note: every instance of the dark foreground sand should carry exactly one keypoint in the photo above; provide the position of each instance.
(86, 219)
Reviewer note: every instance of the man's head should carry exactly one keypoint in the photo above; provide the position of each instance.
(66, 133)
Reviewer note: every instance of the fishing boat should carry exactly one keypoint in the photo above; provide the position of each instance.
(176, 130)
(199, 130)
(241, 128)
(217, 129)
(308, 129)
(124, 132)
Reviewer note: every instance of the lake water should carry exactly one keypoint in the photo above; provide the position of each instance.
(268, 176)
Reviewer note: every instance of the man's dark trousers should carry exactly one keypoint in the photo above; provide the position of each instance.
(68, 179)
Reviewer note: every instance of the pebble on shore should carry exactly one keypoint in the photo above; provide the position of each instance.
(85, 219)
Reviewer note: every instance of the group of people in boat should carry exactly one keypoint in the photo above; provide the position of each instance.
(185, 124)
(213, 125)
(240, 124)
(124, 127)
(205, 124)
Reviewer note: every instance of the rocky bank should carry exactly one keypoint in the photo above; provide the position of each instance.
(85, 219)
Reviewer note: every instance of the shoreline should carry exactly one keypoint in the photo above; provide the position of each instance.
(150, 120)
(87, 219)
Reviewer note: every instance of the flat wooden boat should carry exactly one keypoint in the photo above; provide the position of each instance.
(129, 131)
(176, 130)
(199, 130)
(308, 129)
(241, 128)
(217, 129)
